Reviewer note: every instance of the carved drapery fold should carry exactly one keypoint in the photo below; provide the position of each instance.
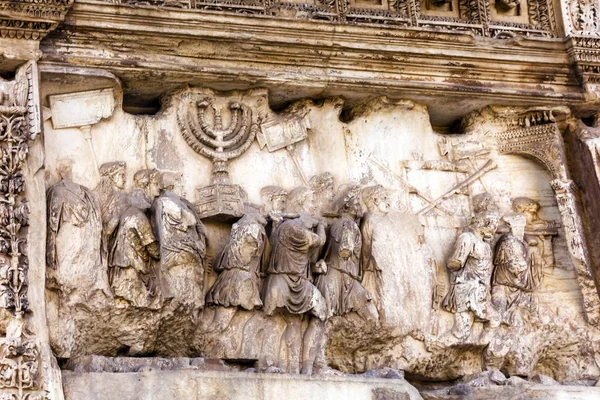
(535, 135)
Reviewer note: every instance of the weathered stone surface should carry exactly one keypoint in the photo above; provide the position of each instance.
(355, 190)
(230, 385)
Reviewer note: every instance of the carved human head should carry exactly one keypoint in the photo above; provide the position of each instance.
(485, 224)
(274, 198)
(376, 198)
(171, 181)
(348, 202)
(527, 206)
(516, 222)
(302, 200)
(115, 171)
(246, 239)
(322, 184)
(149, 181)
(484, 202)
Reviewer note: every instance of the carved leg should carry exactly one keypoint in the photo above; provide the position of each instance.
(293, 341)
(313, 345)
(222, 319)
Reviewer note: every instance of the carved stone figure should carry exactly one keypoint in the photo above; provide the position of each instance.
(73, 240)
(133, 247)
(513, 282)
(484, 202)
(182, 239)
(148, 185)
(239, 266)
(7, 93)
(376, 201)
(539, 235)
(470, 267)
(288, 287)
(111, 198)
(339, 283)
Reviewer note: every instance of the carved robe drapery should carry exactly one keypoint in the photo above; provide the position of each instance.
(288, 285)
(130, 260)
(73, 240)
(238, 283)
(513, 279)
(372, 274)
(470, 284)
(182, 239)
(340, 286)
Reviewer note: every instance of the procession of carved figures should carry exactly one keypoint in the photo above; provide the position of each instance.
(304, 255)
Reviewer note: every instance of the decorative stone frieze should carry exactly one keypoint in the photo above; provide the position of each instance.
(528, 18)
(31, 19)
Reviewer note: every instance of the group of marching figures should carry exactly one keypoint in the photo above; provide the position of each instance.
(306, 252)
(146, 249)
(497, 284)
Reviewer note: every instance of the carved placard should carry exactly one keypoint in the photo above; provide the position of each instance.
(81, 108)
(279, 133)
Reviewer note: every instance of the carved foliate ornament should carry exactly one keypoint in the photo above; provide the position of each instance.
(17, 127)
(19, 123)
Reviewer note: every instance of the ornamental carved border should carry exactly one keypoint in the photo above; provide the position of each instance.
(536, 138)
(19, 124)
(527, 18)
(31, 19)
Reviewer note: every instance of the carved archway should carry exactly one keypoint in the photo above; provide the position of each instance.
(540, 140)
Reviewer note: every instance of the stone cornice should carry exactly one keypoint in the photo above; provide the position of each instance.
(141, 44)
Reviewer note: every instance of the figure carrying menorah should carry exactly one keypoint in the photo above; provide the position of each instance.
(221, 199)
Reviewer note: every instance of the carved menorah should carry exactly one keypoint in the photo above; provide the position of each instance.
(221, 199)
(217, 143)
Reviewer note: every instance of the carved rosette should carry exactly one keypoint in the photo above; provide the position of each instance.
(535, 135)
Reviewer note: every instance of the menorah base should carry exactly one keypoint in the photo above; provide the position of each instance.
(221, 202)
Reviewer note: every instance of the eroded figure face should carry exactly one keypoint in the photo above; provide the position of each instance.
(308, 204)
(278, 203)
(487, 226)
(154, 187)
(383, 203)
(119, 179)
(517, 224)
(249, 249)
